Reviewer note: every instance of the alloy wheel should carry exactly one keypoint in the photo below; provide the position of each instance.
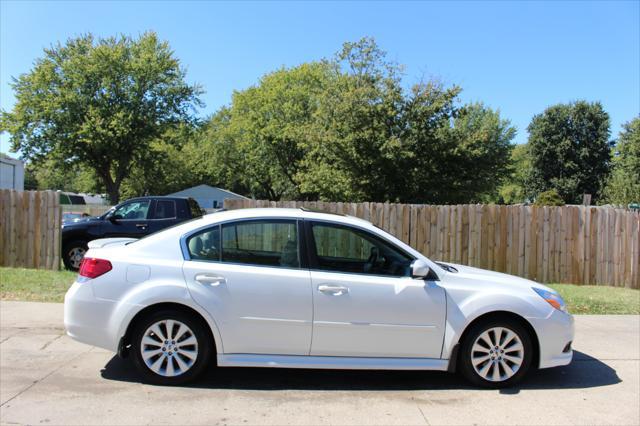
(497, 354)
(169, 348)
(76, 255)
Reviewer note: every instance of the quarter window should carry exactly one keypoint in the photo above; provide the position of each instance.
(351, 250)
(205, 245)
(262, 242)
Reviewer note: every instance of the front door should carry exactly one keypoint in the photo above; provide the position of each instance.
(248, 275)
(130, 219)
(365, 302)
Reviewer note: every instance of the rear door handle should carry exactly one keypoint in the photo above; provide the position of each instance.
(210, 280)
(334, 290)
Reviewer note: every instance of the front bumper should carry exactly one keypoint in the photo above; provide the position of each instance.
(86, 318)
(554, 333)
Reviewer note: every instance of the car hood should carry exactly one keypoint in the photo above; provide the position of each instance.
(81, 222)
(479, 276)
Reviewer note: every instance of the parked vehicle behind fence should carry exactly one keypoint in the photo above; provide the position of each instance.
(133, 218)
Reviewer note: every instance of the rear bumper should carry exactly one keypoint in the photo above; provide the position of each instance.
(554, 334)
(86, 318)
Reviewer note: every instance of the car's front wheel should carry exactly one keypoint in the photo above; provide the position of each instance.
(170, 348)
(496, 354)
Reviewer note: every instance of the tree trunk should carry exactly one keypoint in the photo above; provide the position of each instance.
(114, 194)
(113, 189)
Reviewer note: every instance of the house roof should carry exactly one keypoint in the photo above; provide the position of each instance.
(206, 191)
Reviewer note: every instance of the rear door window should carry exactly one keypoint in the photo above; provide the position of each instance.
(266, 242)
(165, 209)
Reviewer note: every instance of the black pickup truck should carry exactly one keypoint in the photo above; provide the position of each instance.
(133, 218)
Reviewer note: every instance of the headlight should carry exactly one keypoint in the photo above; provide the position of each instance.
(552, 298)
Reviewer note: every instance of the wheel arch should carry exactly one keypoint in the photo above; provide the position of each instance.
(125, 341)
(497, 315)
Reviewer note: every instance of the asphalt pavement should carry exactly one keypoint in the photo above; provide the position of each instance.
(47, 378)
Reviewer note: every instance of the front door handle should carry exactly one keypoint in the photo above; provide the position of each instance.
(142, 226)
(210, 280)
(334, 290)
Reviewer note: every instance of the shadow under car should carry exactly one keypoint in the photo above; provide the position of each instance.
(584, 372)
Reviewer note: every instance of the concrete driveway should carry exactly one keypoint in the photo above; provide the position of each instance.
(46, 378)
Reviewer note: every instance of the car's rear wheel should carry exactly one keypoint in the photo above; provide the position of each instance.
(73, 253)
(496, 354)
(170, 348)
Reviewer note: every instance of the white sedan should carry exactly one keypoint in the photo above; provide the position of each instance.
(301, 289)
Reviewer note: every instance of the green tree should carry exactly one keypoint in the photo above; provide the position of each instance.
(100, 103)
(56, 175)
(569, 147)
(347, 129)
(514, 190)
(549, 198)
(382, 143)
(623, 185)
(273, 124)
(165, 166)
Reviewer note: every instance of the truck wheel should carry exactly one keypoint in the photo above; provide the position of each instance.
(73, 253)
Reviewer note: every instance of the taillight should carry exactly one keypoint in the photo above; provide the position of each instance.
(93, 268)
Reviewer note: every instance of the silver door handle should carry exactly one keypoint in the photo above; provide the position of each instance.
(334, 290)
(212, 280)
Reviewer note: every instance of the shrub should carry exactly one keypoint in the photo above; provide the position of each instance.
(549, 198)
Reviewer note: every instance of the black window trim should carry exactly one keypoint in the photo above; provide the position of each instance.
(187, 255)
(313, 259)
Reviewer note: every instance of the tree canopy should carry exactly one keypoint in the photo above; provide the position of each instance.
(117, 115)
(100, 103)
(623, 185)
(570, 150)
(347, 129)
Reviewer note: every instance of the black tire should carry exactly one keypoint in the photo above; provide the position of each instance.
(465, 355)
(204, 348)
(68, 252)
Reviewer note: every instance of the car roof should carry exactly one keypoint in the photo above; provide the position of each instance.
(275, 212)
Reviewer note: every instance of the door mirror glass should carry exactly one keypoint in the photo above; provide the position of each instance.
(419, 269)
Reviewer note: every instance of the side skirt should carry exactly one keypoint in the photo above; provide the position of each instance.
(331, 362)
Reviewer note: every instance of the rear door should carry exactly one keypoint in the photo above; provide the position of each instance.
(165, 214)
(365, 302)
(249, 276)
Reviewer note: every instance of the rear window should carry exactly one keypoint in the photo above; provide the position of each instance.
(196, 211)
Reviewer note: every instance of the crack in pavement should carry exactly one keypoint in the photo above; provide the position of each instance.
(50, 342)
(35, 382)
(423, 416)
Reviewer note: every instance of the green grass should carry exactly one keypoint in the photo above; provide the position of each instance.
(591, 299)
(35, 285)
(50, 286)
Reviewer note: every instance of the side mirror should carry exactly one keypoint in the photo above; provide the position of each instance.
(419, 269)
(113, 218)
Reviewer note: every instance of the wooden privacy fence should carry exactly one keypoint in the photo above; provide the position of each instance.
(90, 209)
(30, 229)
(570, 244)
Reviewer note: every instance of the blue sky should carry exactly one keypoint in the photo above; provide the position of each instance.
(519, 57)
